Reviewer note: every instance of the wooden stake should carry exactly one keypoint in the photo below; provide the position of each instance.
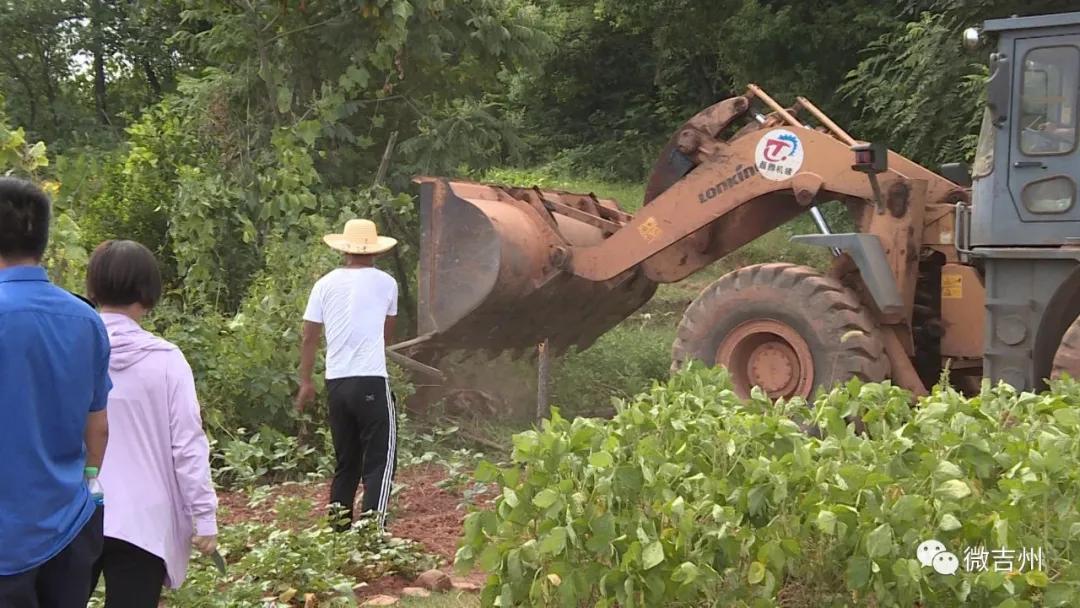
(543, 409)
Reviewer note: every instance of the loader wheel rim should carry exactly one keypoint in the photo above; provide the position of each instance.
(769, 354)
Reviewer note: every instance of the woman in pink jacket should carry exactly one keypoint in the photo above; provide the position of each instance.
(159, 500)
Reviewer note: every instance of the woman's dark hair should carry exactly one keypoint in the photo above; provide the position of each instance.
(24, 219)
(122, 273)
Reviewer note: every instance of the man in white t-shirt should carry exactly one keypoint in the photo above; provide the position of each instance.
(356, 305)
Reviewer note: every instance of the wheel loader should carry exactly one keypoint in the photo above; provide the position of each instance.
(974, 269)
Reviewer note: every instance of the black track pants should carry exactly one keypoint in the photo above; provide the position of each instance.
(363, 424)
(133, 576)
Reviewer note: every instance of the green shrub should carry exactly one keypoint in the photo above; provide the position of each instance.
(691, 497)
(270, 456)
(622, 363)
(280, 561)
(111, 204)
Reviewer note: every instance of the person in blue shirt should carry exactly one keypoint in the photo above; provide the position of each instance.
(54, 381)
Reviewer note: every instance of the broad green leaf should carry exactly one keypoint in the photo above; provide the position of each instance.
(526, 443)
(490, 558)
(826, 522)
(858, 572)
(909, 508)
(555, 542)
(1001, 532)
(964, 591)
(511, 497)
(472, 527)
(879, 543)
(990, 580)
(357, 76)
(948, 470)
(486, 472)
(545, 498)
(686, 573)
(678, 506)
(1059, 594)
(284, 98)
(1037, 578)
(949, 523)
(652, 555)
(756, 574)
(603, 526)
(1067, 416)
(601, 460)
(514, 568)
(953, 489)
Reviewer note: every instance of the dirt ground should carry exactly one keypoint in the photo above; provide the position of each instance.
(421, 511)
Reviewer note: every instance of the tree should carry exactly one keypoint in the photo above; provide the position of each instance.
(56, 50)
(915, 86)
(294, 107)
(624, 75)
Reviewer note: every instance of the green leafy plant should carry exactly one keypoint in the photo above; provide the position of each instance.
(690, 496)
(277, 562)
(270, 456)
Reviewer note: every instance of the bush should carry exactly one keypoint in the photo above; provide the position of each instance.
(689, 495)
(278, 562)
(270, 456)
(622, 363)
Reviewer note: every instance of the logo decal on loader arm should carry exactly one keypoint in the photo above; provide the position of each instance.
(779, 155)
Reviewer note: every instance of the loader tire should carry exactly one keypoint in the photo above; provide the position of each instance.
(1067, 357)
(782, 327)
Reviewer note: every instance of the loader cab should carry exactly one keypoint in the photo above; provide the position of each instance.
(1027, 167)
(1024, 230)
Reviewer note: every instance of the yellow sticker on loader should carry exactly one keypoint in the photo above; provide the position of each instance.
(952, 286)
(650, 230)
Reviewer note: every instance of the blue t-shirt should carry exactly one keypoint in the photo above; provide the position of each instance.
(54, 370)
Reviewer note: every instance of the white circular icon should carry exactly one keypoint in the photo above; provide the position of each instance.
(946, 563)
(779, 155)
(932, 553)
(927, 550)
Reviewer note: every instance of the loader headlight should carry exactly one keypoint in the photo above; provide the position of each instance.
(972, 38)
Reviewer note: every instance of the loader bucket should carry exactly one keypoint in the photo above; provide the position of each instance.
(493, 276)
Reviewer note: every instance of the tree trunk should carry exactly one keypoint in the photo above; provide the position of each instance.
(46, 77)
(151, 79)
(25, 81)
(97, 49)
(99, 85)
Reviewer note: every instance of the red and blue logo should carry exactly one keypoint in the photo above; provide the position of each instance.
(780, 148)
(779, 155)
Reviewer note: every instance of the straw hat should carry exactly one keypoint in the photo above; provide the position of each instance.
(360, 237)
